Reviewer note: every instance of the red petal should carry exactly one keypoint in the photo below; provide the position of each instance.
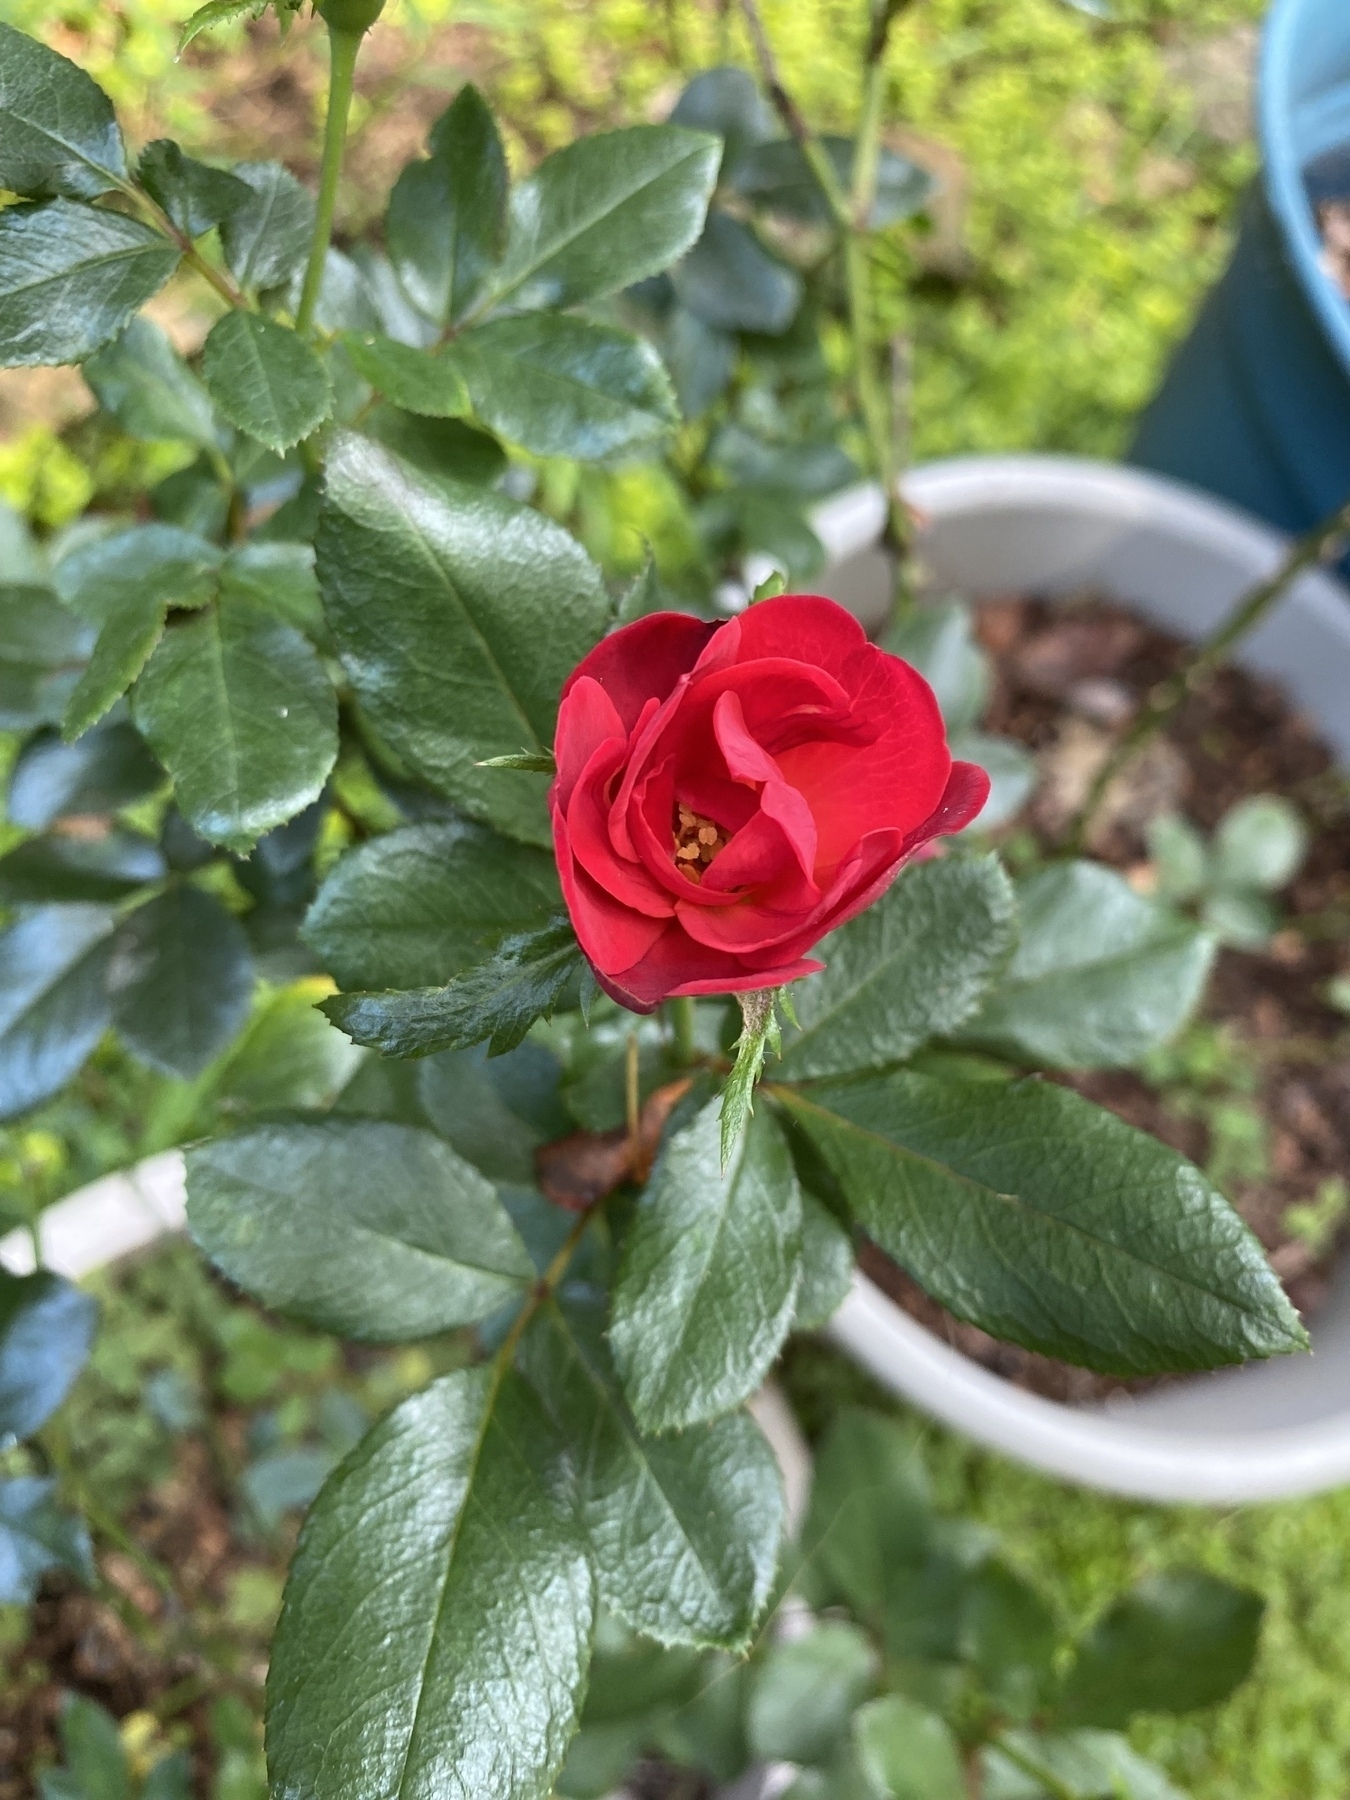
(586, 719)
(643, 660)
(962, 800)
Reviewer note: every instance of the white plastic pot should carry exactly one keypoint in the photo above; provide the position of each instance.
(1058, 525)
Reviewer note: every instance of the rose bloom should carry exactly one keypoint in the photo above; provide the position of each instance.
(727, 794)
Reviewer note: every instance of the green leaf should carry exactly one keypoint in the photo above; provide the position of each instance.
(193, 194)
(726, 102)
(128, 582)
(1175, 1643)
(42, 647)
(1012, 776)
(35, 1537)
(107, 769)
(441, 1572)
(446, 224)
(683, 1534)
(1047, 1220)
(827, 1265)
(61, 867)
(240, 712)
(218, 12)
(291, 1214)
(147, 387)
(416, 380)
(760, 1032)
(912, 967)
(732, 283)
(458, 615)
(805, 1692)
(92, 1747)
(1260, 843)
(1100, 975)
(265, 379)
(181, 980)
(425, 903)
(1240, 917)
(496, 1001)
(709, 1275)
(447, 450)
(1179, 856)
(604, 212)
(267, 238)
(495, 1110)
(777, 177)
(70, 278)
(46, 1329)
(870, 1513)
(1074, 1765)
(1008, 1633)
(908, 1752)
(560, 386)
(278, 576)
(57, 130)
(54, 1004)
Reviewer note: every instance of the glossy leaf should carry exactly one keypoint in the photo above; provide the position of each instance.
(406, 1584)
(683, 1533)
(458, 615)
(58, 134)
(266, 239)
(495, 1110)
(70, 278)
(422, 904)
(495, 1001)
(65, 867)
(447, 450)
(827, 1265)
(371, 1230)
(240, 712)
(709, 1276)
(36, 1536)
(413, 379)
(46, 1329)
(446, 224)
(561, 386)
(1074, 1765)
(731, 282)
(1173, 1644)
(1100, 974)
(54, 1004)
(604, 212)
(108, 768)
(805, 1692)
(908, 1752)
(193, 194)
(181, 979)
(912, 967)
(265, 379)
(147, 387)
(128, 582)
(726, 102)
(1005, 1203)
(42, 646)
(278, 576)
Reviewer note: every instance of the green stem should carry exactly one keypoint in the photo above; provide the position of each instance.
(681, 1016)
(343, 47)
(1171, 694)
(155, 214)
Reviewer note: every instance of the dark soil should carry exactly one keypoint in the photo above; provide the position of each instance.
(1069, 678)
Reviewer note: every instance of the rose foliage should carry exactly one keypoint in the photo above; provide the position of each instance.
(326, 700)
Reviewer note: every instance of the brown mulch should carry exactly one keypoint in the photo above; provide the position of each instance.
(1068, 679)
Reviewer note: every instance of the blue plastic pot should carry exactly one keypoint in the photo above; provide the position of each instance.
(1256, 404)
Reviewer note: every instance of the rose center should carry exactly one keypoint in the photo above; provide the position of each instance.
(697, 841)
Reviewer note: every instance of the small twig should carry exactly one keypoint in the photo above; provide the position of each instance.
(229, 292)
(1315, 546)
(344, 46)
(632, 1092)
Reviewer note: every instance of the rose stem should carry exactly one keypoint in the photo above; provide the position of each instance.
(680, 1013)
(851, 212)
(1315, 546)
(342, 48)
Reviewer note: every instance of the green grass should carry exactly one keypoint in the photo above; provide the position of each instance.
(1285, 1735)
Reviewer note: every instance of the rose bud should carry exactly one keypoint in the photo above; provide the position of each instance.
(727, 794)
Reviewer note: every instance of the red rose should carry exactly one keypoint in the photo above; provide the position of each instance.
(727, 794)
